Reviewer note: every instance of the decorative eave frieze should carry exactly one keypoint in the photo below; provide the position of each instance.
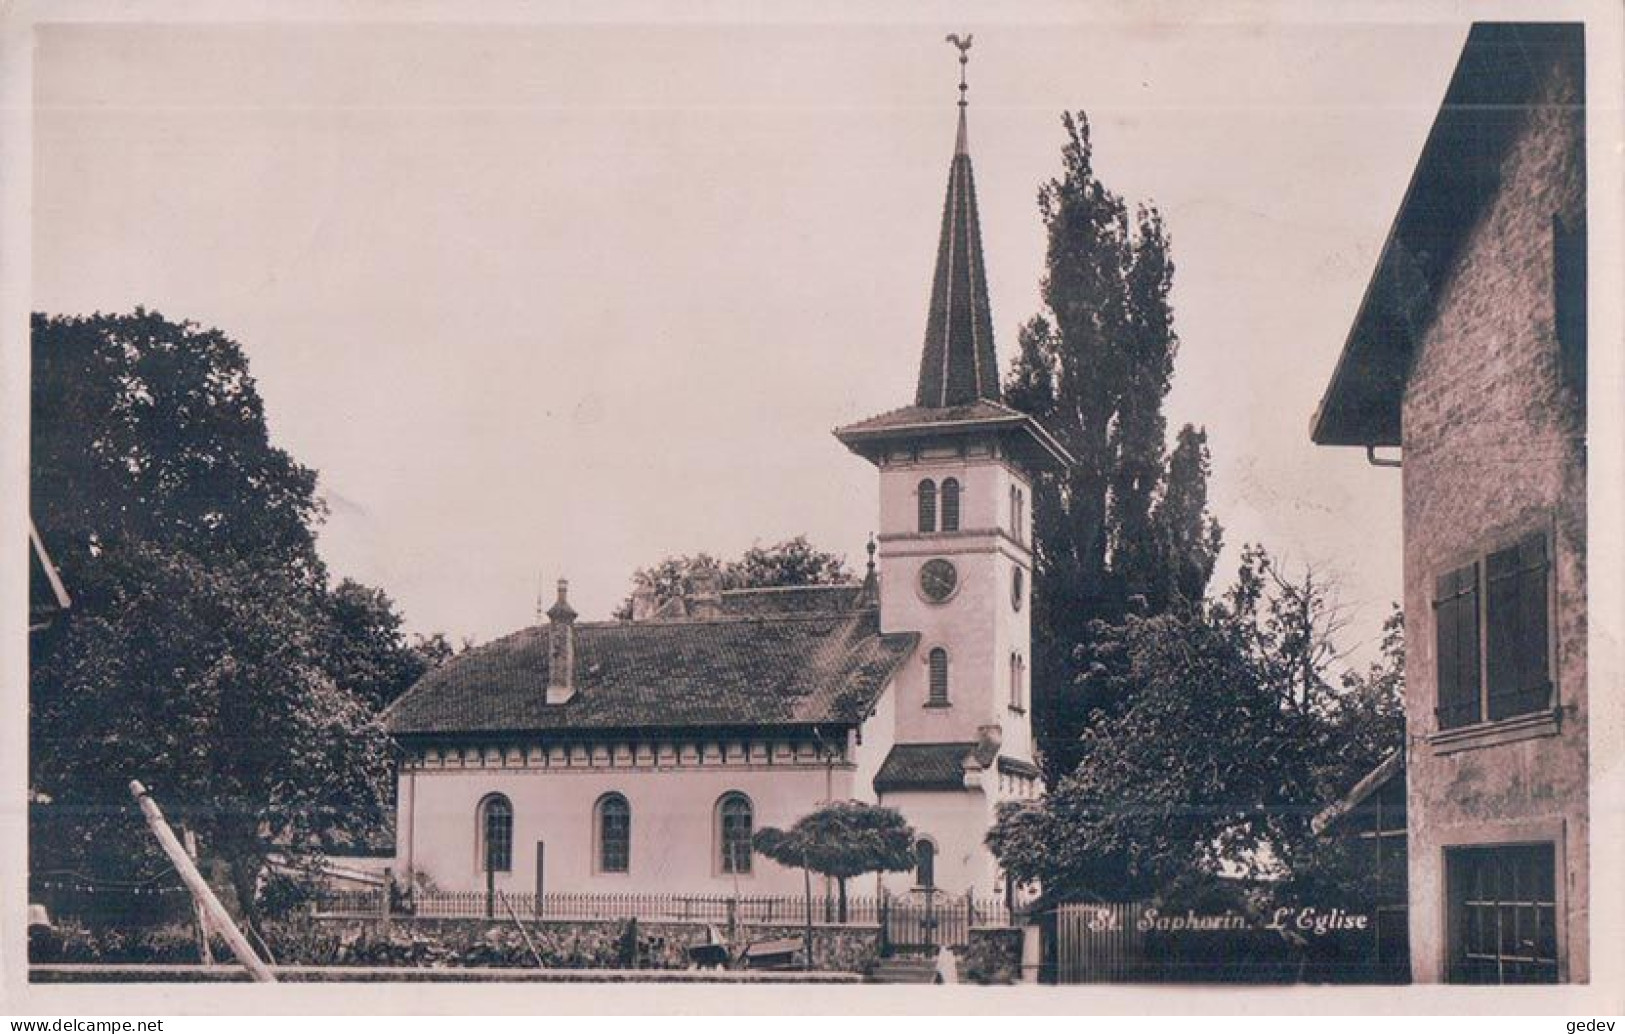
(650, 754)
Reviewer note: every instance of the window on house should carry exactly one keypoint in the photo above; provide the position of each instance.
(496, 834)
(1503, 914)
(1018, 515)
(950, 505)
(1569, 299)
(1015, 681)
(614, 822)
(734, 821)
(1506, 670)
(937, 677)
(925, 863)
(928, 505)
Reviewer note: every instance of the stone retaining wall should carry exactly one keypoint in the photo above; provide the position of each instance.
(563, 944)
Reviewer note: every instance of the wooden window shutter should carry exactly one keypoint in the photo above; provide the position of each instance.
(1516, 629)
(1569, 299)
(1455, 619)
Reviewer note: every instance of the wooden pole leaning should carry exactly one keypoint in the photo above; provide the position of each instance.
(201, 892)
(207, 953)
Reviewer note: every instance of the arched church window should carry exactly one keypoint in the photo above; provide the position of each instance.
(937, 677)
(928, 505)
(496, 834)
(614, 833)
(734, 828)
(950, 504)
(1018, 682)
(925, 863)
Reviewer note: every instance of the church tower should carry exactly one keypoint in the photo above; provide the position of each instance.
(955, 541)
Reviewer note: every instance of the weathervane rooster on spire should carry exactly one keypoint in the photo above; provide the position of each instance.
(964, 59)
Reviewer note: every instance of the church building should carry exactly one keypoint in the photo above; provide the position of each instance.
(641, 755)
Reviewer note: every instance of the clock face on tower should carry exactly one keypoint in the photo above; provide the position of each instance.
(938, 580)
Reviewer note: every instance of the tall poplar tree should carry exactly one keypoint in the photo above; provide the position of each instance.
(1127, 528)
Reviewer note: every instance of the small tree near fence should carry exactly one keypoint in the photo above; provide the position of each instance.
(842, 839)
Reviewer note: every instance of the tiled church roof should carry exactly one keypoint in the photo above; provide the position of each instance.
(806, 668)
(798, 599)
(981, 412)
(929, 766)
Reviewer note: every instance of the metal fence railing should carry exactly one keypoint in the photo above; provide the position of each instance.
(962, 911)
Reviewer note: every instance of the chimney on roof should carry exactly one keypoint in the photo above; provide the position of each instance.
(644, 603)
(705, 595)
(561, 647)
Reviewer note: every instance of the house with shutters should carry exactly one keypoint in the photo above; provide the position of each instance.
(1468, 356)
(641, 755)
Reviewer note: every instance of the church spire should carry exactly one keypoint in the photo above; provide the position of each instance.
(957, 364)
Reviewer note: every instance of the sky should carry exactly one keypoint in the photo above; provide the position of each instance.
(558, 300)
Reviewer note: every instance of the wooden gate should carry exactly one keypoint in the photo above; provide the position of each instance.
(1098, 943)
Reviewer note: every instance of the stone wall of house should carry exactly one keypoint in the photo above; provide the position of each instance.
(1494, 449)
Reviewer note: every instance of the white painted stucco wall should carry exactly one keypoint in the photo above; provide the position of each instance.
(673, 826)
(956, 822)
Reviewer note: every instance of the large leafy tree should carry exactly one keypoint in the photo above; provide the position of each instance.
(205, 680)
(1367, 719)
(841, 840)
(794, 561)
(153, 431)
(205, 653)
(1126, 528)
(367, 652)
(1228, 736)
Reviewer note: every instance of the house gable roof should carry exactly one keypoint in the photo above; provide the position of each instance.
(1501, 66)
(812, 667)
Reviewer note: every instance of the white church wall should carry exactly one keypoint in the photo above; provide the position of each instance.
(879, 733)
(673, 841)
(979, 626)
(959, 626)
(956, 822)
(1012, 634)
